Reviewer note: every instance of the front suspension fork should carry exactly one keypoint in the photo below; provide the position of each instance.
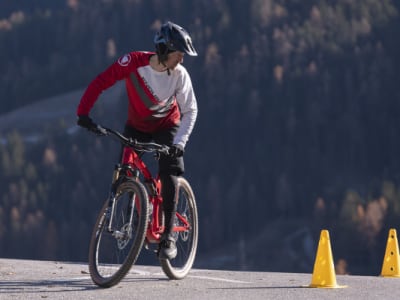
(117, 179)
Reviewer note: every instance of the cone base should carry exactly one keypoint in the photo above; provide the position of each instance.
(327, 286)
(390, 276)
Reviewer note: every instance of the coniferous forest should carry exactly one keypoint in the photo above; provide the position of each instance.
(298, 126)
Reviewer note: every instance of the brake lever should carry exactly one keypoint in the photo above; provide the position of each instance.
(132, 142)
(98, 130)
(101, 130)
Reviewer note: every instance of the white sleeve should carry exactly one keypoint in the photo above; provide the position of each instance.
(188, 107)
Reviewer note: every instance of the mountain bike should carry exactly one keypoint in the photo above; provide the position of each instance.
(132, 217)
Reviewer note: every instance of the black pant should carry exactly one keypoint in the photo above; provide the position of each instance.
(169, 169)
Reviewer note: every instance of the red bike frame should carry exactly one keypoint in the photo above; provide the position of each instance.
(154, 229)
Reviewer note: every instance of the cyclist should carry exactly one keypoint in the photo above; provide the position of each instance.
(162, 107)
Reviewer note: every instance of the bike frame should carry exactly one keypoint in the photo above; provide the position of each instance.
(132, 161)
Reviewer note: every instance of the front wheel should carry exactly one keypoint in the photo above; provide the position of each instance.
(185, 233)
(118, 234)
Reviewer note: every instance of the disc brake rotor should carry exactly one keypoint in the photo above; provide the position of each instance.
(127, 235)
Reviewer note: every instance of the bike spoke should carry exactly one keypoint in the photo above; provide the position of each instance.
(119, 237)
(113, 247)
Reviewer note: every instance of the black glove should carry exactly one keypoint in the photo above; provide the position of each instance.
(86, 122)
(176, 151)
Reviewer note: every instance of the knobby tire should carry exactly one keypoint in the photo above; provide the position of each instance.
(186, 242)
(108, 253)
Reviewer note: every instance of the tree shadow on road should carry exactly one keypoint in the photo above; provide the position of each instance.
(40, 286)
(57, 285)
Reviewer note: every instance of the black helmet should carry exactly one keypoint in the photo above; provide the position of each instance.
(173, 37)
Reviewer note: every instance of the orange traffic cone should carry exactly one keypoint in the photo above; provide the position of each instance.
(324, 270)
(391, 261)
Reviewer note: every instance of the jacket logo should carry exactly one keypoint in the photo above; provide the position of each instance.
(124, 60)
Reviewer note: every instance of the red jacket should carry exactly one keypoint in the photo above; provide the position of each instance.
(146, 112)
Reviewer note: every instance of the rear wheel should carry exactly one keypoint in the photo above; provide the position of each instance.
(112, 252)
(185, 233)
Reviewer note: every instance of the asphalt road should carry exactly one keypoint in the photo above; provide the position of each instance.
(26, 279)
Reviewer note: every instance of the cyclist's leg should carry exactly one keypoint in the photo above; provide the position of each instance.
(133, 133)
(169, 170)
(168, 192)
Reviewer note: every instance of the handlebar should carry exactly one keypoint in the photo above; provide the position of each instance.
(133, 143)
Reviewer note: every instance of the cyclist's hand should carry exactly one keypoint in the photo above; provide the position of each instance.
(86, 122)
(176, 151)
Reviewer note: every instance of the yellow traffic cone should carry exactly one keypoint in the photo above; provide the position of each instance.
(391, 261)
(324, 270)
